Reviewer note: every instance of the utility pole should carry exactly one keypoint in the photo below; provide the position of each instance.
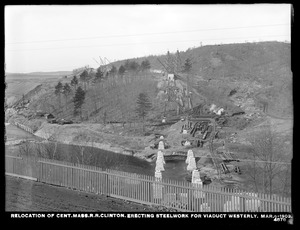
(189, 93)
(178, 62)
(170, 69)
(172, 66)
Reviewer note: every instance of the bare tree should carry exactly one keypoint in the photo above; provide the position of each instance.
(25, 149)
(82, 153)
(120, 101)
(95, 99)
(144, 105)
(268, 162)
(286, 181)
(50, 150)
(39, 149)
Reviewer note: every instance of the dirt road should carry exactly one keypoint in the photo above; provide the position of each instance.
(26, 195)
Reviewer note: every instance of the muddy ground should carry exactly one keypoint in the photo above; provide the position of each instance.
(27, 195)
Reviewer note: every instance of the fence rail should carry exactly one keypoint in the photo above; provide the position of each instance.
(24, 127)
(144, 189)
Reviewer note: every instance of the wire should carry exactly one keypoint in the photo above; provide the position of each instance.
(125, 44)
(145, 34)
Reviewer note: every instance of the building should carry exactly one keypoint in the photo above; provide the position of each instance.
(40, 114)
(49, 116)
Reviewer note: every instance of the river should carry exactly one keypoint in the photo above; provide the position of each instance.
(175, 170)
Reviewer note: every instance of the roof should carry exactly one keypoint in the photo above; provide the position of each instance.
(235, 110)
(49, 115)
(40, 113)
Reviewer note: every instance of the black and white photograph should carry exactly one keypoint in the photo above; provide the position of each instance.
(148, 110)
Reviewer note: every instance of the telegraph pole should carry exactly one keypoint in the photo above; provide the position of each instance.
(178, 62)
(169, 63)
(173, 66)
(187, 69)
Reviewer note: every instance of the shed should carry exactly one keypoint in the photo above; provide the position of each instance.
(49, 116)
(40, 114)
(171, 77)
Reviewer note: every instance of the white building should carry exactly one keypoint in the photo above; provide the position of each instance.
(171, 77)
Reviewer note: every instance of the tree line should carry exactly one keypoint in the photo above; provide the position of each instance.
(76, 90)
(66, 91)
(87, 77)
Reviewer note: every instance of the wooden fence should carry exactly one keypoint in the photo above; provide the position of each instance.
(25, 128)
(180, 195)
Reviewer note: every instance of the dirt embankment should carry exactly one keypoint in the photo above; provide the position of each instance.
(98, 136)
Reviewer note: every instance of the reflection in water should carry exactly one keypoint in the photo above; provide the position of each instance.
(175, 169)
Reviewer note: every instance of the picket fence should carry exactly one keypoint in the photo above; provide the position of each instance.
(144, 189)
(24, 127)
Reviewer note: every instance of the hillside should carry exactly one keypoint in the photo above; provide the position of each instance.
(38, 74)
(19, 84)
(260, 70)
(255, 77)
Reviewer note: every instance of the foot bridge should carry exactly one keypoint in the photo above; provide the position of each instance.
(196, 131)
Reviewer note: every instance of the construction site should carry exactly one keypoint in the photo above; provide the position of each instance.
(189, 114)
(149, 108)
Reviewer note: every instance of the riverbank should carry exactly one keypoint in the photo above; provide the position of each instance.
(115, 139)
(97, 136)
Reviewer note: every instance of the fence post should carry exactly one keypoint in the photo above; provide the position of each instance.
(106, 183)
(190, 196)
(38, 165)
(242, 204)
(151, 191)
(72, 178)
(148, 186)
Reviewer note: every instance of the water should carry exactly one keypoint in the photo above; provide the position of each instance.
(175, 169)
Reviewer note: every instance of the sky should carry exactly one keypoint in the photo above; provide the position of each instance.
(65, 37)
